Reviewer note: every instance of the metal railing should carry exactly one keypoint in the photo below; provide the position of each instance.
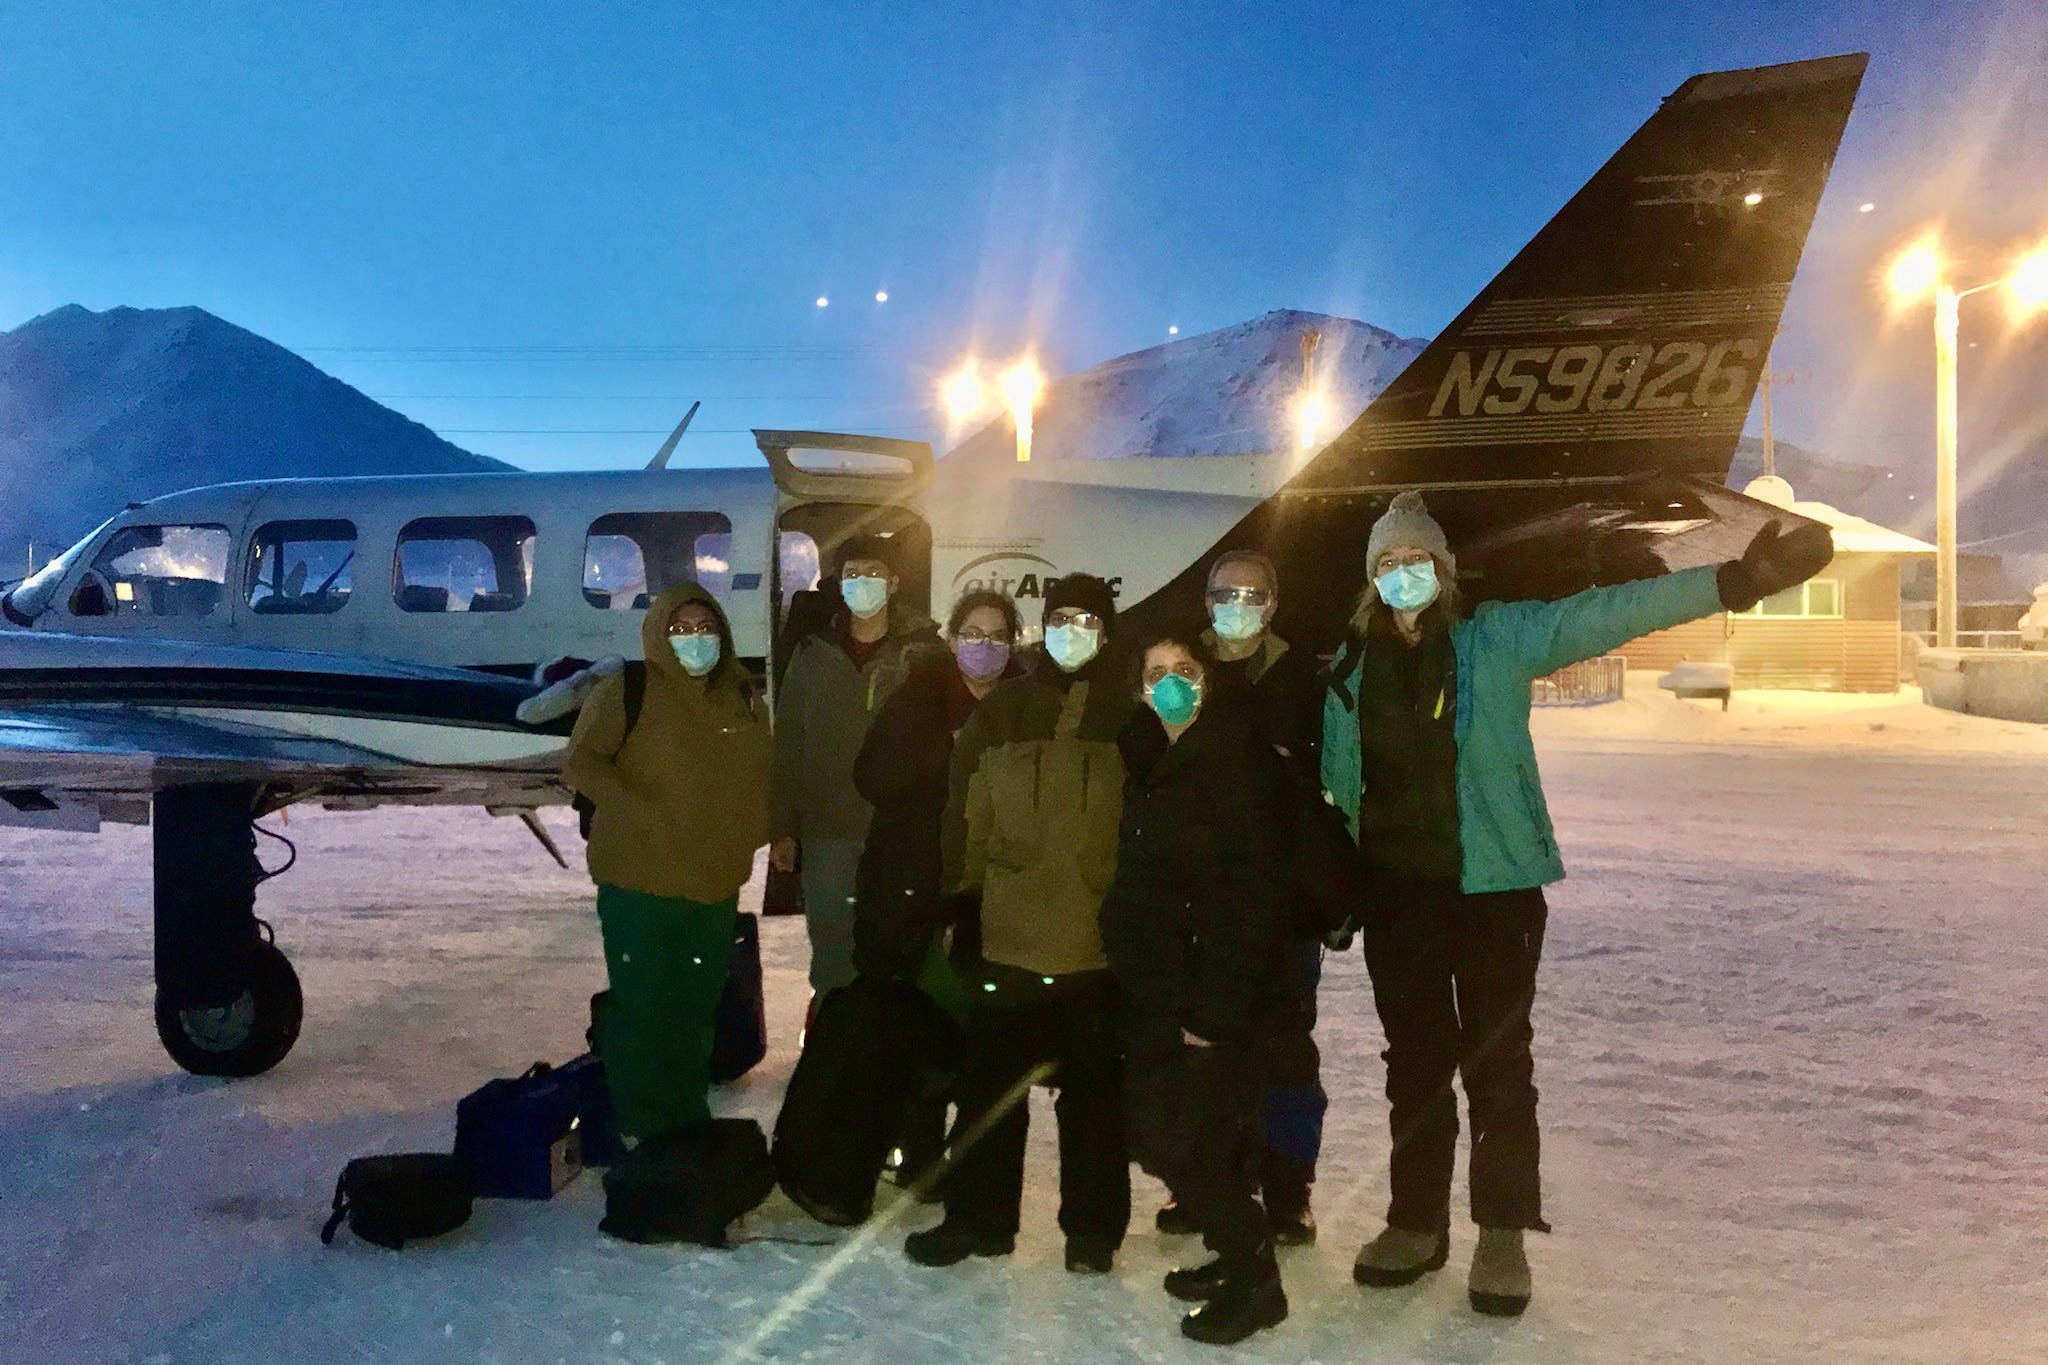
(1975, 639)
(1583, 684)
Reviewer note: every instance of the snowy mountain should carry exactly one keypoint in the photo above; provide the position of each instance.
(99, 409)
(1227, 392)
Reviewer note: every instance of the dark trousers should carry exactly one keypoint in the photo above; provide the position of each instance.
(1195, 1120)
(1453, 976)
(1071, 1029)
(1295, 1100)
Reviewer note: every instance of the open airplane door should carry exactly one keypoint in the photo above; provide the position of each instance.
(829, 486)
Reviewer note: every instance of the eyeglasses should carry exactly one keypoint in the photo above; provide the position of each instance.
(1389, 561)
(1074, 616)
(1186, 668)
(693, 628)
(1250, 597)
(974, 635)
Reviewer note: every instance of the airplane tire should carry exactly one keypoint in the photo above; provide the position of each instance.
(246, 1037)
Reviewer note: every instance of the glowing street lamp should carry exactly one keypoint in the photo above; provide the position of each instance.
(964, 394)
(1022, 385)
(1311, 420)
(1916, 272)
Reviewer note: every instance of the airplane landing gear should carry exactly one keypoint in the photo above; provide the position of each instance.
(227, 1001)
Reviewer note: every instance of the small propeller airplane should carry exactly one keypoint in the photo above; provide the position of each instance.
(209, 657)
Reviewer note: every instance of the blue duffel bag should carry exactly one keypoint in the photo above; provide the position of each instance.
(594, 1122)
(521, 1138)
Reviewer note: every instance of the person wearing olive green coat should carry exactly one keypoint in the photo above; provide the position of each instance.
(1426, 750)
(681, 807)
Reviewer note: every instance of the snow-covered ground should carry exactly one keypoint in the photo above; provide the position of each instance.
(1791, 1036)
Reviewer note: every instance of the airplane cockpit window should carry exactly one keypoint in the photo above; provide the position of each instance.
(448, 564)
(34, 594)
(301, 568)
(629, 558)
(156, 571)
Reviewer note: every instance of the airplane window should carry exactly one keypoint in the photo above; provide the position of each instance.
(156, 571)
(446, 564)
(301, 568)
(629, 558)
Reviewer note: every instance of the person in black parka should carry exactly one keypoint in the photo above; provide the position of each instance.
(904, 770)
(1199, 929)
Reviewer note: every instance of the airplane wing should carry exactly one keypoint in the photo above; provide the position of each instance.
(1574, 424)
(91, 728)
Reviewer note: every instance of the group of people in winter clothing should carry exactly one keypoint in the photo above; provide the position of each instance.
(1116, 862)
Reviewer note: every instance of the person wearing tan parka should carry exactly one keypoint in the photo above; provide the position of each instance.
(681, 808)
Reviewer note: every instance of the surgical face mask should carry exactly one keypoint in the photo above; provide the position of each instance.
(1408, 587)
(1072, 647)
(698, 654)
(982, 660)
(864, 596)
(1237, 620)
(1175, 699)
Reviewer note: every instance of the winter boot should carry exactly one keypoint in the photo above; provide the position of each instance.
(1286, 1185)
(1248, 1299)
(1500, 1284)
(1398, 1256)
(1173, 1219)
(1196, 1283)
(951, 1243)
(1090, 1256)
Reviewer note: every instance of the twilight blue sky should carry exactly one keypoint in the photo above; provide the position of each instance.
(542, 228)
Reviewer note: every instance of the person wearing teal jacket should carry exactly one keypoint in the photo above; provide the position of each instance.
(1426, 750)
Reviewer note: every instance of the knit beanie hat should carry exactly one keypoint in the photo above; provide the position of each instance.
(1408, 522)
(1083, 590)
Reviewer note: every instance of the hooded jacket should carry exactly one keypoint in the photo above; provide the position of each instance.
(1031, 816)
(682, 802)
(823, 708)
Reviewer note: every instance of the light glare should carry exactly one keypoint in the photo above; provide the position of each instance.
(964, 394)
(1915, 272)
(1312, 420)
(2029, 281)
(824, 302)
(1022, 385)
(881, 296)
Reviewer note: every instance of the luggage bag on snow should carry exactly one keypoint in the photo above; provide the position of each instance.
(521, 1138)
(391, 1200)
(688, 1187)
(865, 1061)
(740, 1039)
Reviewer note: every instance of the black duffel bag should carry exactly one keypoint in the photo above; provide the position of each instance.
(688, 1187)
(392, 1200)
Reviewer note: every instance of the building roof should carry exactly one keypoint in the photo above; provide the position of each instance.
(1852, 533)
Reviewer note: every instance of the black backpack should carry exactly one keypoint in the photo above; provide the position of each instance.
(688, 1187)
(635, 679)
(392, 1200)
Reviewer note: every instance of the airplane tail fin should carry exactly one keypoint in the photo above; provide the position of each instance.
(1630, 333)
(1573, 425)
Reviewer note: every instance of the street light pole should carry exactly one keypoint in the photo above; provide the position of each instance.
(1945, 315)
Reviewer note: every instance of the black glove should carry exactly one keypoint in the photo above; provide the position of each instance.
(1773, 563)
